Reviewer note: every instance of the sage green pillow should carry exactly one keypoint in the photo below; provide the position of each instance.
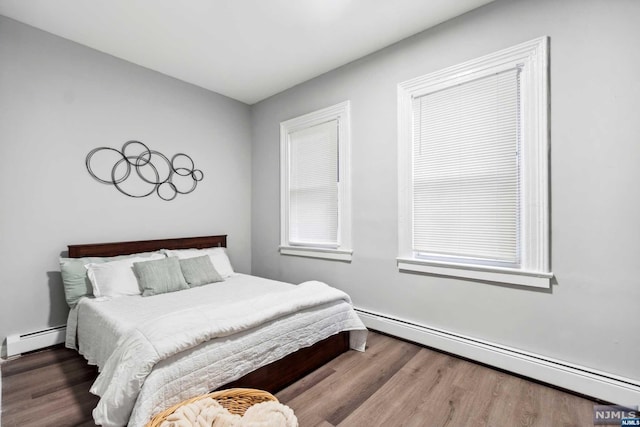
(159, 276)
(74, 275)
(199, 271)
(74, 278)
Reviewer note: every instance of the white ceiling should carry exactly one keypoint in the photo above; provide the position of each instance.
(245, 49)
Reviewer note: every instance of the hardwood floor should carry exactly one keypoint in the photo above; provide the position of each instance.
(48, 388)
(394, 383)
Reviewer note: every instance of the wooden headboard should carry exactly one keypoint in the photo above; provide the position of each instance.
(126, 248)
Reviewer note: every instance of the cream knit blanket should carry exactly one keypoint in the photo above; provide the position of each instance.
(208, 412)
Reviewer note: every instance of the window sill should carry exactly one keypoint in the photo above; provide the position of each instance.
(474, 272)
(331, 254)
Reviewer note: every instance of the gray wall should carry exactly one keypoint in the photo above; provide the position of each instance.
(59, 100)
(590, 315)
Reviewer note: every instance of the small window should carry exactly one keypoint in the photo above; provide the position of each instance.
(315, 199)
(473, 169)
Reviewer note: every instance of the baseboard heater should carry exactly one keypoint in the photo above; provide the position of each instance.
(580, 379)
(31, 341)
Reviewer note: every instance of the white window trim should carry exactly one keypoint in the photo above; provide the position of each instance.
(532, 56)
(341, 113)
(332, 254)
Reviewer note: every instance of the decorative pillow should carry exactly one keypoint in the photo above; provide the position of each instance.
(75, 280)
(218, 256)
(199, 271)
(74, 275)
(116, 278)
(160, 276)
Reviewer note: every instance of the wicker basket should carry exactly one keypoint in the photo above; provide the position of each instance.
(234, 400)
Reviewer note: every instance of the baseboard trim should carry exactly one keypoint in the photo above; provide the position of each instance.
(36, 340)
(589, 382)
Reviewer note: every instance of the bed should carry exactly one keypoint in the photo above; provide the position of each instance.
(232, 333)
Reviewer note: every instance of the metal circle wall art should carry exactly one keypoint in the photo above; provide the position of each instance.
(153, 171)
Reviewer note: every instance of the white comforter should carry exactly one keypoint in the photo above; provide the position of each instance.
(158, 361)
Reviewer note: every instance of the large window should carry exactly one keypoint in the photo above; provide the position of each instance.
(315, 200)
(473, 169)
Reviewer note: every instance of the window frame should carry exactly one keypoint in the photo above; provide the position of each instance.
(341, 113)
(534, 268)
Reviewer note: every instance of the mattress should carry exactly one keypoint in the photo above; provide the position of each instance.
(100, 325)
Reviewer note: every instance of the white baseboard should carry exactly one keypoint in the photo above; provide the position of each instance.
(601, 385)
(36, 340)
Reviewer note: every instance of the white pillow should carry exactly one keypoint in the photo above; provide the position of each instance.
(218, 256)
(115, 278)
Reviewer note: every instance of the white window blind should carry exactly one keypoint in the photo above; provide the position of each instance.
(313, 185)
(466, 188)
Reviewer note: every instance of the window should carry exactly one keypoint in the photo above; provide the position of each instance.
(315, 187)
(473, 169)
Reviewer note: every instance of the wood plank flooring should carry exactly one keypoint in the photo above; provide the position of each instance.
(394, 383)
(48, 388)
